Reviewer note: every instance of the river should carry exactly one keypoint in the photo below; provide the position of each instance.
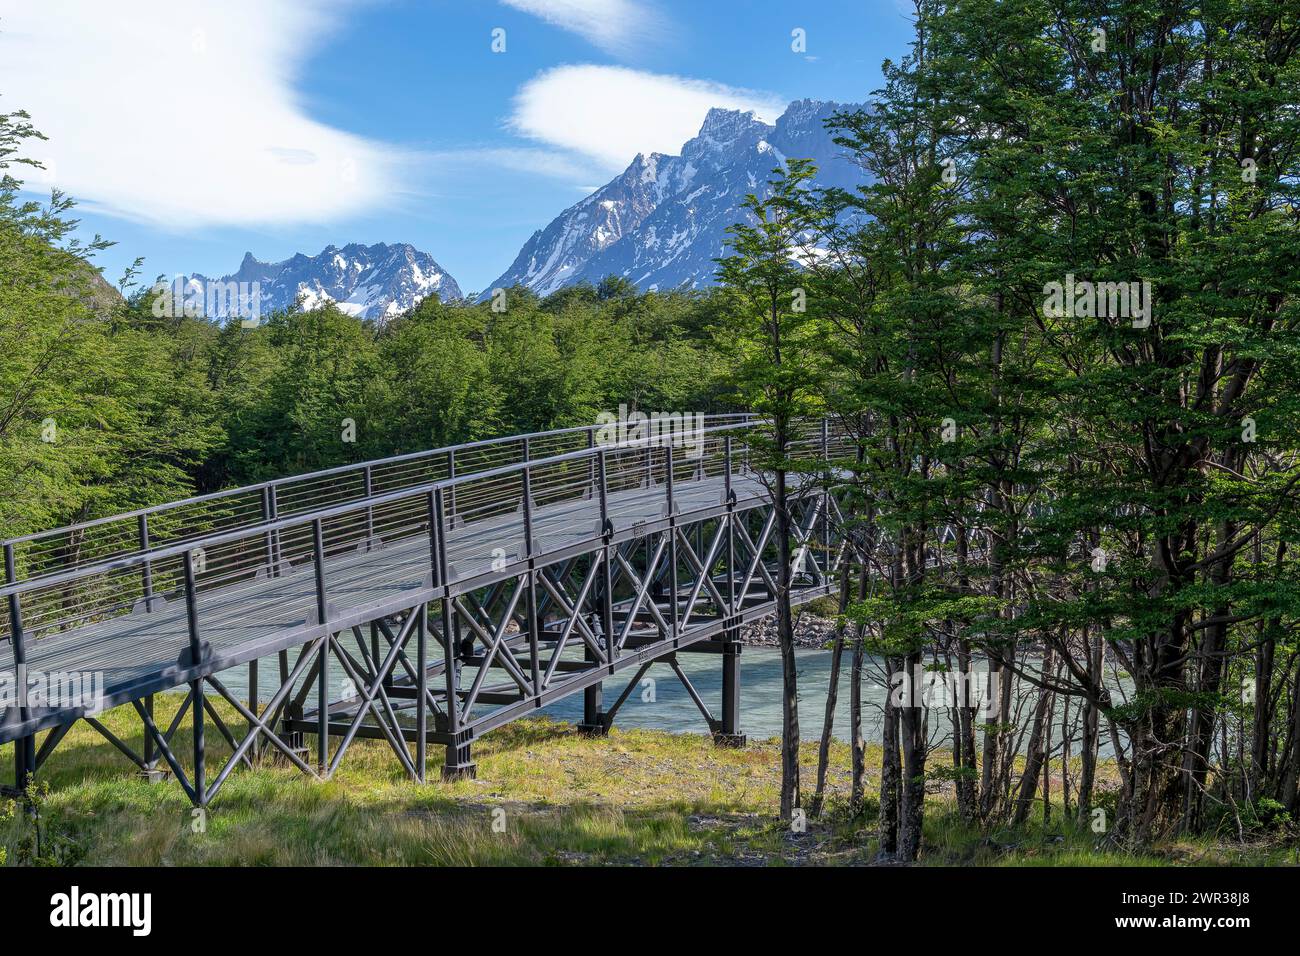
(667, 706)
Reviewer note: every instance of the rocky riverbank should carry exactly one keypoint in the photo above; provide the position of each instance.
(809, 631)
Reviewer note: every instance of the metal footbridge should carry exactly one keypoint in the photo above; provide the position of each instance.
(446, 592)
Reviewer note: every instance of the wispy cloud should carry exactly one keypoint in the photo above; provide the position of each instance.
(611, 113)
(616, 26)
(532, 161)
(199, 123)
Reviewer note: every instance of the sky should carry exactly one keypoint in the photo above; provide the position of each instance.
(193, 131)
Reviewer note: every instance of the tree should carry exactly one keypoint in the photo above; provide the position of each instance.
(902, 337)
(778, 373)
(436, 384)
(97, 415)
(1151, 147)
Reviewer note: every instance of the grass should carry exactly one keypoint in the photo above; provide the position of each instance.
(544, 796)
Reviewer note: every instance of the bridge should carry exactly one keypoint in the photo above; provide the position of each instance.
(423, 599)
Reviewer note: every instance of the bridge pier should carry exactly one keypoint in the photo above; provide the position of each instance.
(728, 733)
(150, 771)
(592, 724)
(459, 764)
(24, 763)
(593, 700)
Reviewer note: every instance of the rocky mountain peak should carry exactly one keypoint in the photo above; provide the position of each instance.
(370, 282)
(663, 221)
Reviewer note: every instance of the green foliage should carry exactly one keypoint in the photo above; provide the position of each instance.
(1105, 485)
(96, 414)
(447, 373)
(1263, 817)
(823, 607)
(769, 336)
(25, 838)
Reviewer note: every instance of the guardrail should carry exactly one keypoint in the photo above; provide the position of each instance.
(237, 559)
(134, 532)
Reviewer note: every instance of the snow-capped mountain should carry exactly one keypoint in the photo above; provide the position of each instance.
(664, 220)
(370, 282)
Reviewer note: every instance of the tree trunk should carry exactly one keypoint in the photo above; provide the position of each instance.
(1091, 726)
(992, 790)
(994, 767)
(891, 771)
(1067, 751)
(1196, 762)
(913, 726)
(857, 744)
(964, 731)
(832, 698)
(1262, 747)
(790, 792)
(1291, 783)
(1262, 716)
(1037, 754)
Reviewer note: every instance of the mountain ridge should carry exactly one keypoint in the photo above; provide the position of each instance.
(662, 222)
(375, 282)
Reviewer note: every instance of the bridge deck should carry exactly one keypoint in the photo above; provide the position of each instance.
(143, 652)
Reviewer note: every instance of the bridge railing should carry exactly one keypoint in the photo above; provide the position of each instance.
(61, 549)
(417, 523)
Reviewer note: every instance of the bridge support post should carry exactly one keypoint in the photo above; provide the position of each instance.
(24, 763)
(24, 747)
(459, 764)
(150, 771)
(728, 733)
(200, 747)
(593, 720)
(421, 692)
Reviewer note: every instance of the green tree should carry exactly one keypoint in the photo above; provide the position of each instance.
(778, 371)
(437, 389)
(96, 414)
(1145, 142)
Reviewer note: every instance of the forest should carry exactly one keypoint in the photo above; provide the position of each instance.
(1059, 325)
(1075, 492)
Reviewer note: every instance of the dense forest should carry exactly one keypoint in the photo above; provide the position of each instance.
(1060, 327)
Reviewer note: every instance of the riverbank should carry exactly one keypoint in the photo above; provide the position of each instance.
(814, 627)
(544, 795)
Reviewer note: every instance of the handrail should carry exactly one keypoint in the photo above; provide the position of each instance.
(65, 601)
(310, 517)
(364, 469)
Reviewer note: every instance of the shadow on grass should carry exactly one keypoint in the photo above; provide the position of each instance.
(545, 795)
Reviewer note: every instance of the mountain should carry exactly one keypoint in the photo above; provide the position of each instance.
(371, 282)
(664, 220)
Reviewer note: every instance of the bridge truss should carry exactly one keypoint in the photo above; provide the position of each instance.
(420, 600)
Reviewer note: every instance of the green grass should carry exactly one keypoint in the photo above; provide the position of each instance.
(544, 795)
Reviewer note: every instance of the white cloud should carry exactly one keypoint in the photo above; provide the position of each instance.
(611, 113)
(537, 162)
(616, 26)
(184, 112)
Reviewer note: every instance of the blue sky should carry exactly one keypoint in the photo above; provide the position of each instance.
(192, 131)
